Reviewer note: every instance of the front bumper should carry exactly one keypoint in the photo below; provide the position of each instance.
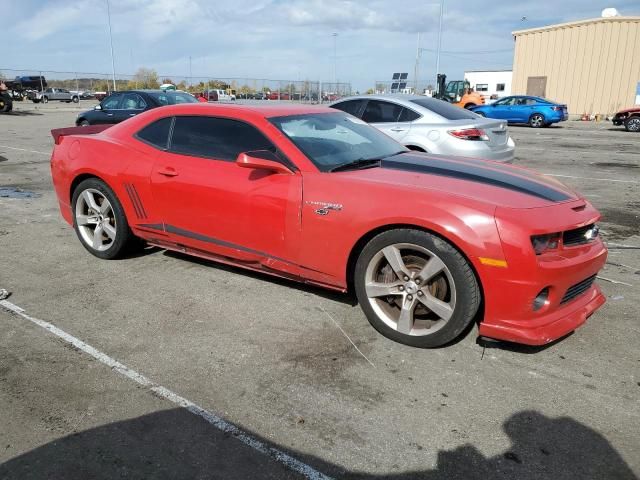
(510, 292)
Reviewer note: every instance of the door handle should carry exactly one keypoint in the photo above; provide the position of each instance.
(131, 114)
(168, 172)
(109, 114)
(398, 129)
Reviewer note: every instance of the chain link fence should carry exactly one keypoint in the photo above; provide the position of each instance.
(423, 87)
(101, 84)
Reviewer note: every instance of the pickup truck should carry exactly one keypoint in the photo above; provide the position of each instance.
(56, 94)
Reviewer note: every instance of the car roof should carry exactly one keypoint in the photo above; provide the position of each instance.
(400, 98)
(261, 110)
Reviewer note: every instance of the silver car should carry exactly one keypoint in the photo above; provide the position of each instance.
(434, 126)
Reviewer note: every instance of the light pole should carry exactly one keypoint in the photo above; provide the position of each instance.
(335, 50)
(190, 73)
(113, 62)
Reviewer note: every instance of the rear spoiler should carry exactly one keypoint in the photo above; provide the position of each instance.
(58, 133)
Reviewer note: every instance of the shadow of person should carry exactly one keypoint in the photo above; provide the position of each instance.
(174, 444)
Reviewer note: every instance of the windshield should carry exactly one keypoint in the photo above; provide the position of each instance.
(172, 98)
(333, 139)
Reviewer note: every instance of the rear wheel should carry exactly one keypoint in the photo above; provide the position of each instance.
(75, 99)
(99, 220)
(416, 288)
(536, 120)
(45, 99)
(632, 124)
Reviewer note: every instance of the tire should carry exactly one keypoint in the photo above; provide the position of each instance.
(632, 124)
(75, 99)
(5, 105)
(83, 123)
(45, 99)
(469, 105)
(451, 290)
(35, 100)
(536, 120)
(87, 220)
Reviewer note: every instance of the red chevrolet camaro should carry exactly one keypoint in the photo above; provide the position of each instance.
(428, 244)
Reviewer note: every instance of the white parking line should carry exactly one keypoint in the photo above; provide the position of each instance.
(590, 178)
(158, 390)
(25, 150)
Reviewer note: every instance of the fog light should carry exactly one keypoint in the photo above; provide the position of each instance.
(541, 299)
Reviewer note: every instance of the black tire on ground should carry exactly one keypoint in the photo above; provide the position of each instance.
(6, 105)
(536, 120)
(468, 295)
(124, 237)
(83, 123)
(35, 100)
(75, 99)
(632, 124)
(45, 99)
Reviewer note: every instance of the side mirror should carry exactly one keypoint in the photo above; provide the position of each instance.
(97, 107)
(262, 160)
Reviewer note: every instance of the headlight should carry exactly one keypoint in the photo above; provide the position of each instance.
(544, 243)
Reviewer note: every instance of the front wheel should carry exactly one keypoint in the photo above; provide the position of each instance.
(632, 124)
(536, 120)
(75, 99)
(99, 220)
(416, 288)
(84, 123)
(45, 99)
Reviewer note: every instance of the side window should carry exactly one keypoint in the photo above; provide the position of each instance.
(112, 102)
(351, 107)
(408, 115)
(157, 133)
(530, 101)
(500, 87)
(133, 101)
(482, 87)
(505, 101)
(378, 111)
(219, 138)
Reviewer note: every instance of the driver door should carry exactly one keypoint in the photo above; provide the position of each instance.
(210, 204)
(501, 109)
(109, 108)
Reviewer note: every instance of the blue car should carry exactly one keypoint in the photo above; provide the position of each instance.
(537, 112)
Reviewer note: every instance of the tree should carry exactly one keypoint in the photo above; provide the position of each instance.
(167, 80)
(144, 78)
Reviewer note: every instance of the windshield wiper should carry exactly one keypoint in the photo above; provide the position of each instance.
(357, 164)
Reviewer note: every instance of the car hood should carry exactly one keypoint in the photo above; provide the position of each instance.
(490, 182)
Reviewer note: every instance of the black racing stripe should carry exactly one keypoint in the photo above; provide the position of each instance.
(133, 202)
(207, 239)
(474, 173)
(137, 197)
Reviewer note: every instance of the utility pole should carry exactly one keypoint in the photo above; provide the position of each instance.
(335, 50)
(417, 67)
(113, 63)
(439, 39)
(190, 73)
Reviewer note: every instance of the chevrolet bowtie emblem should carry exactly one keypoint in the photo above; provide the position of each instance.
(324, 207)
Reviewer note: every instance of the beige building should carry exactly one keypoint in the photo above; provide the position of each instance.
(591, 65)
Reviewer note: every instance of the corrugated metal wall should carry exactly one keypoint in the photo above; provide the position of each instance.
(593, 67)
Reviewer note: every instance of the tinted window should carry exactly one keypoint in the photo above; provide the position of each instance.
(157, 134)
(172, 98)
(500, 87)
(444, 109)
(112, 102)
(408, 115)
(218, 138)
(378, 111)
(351, 107)
(133, 101)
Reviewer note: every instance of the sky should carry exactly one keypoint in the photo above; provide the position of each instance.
(277, 39)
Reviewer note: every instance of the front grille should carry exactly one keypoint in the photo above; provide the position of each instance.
(577, 289)
(578, 236)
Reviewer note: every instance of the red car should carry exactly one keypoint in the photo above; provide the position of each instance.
(313, 194)
(629, 117)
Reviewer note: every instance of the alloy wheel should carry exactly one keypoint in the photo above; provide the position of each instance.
(633, 125)
(536, 121)
(410, 289)
(96, 221)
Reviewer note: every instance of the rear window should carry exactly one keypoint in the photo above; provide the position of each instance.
(444, 109)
